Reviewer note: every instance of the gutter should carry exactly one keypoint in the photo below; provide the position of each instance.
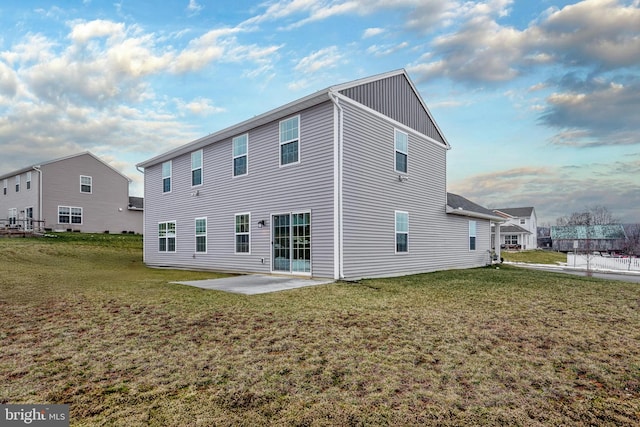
(338, 153)
(472, 214)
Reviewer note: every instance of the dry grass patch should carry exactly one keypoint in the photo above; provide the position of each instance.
(88, 325)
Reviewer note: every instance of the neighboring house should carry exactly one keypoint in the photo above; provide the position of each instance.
(588, 238)
(520, 229)
(74, 193)
(347, 182)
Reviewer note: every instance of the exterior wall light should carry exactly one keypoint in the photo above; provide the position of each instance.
(261, 223)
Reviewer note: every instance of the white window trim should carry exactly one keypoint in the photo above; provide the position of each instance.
(235, 233)
(170, 162)
(175, 236)
(246, 154)
(194, 169)
(12, 216)
(70, 215)
(4, 187)
(474, 235)
(289, 141)
(395, 149)
(395, 234)
(17, 183)
(28, 182)
(196, 235)
(90, 184)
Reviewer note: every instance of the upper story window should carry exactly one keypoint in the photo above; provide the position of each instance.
(472, 235)
(523, 221)
(86, 184)
(4, 187)
(290, 141)
(166, 177)
(28, 180)
(17, 183)
(402, 231)
(240, 150)
(196, 168)
(402, 151)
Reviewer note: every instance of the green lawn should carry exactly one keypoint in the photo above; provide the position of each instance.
(535, 257)
(83, 322)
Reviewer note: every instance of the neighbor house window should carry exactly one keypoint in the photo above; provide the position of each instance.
(402, 232)
(523, 221)
(242, 233)
(69, 215)
(28, 180)
(402, 150)
(4, 187)
(290, 141)
(240, 149)
(167, 236)
(86, 184)
(196, 168)
(472, 235)
(201, 235)
(17, 183)
(511, 239)
(13, 216)
(166, 177)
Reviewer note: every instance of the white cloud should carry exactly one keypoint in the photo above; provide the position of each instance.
(319, 60)
(372, 32)
(194, 7)
(84, 31)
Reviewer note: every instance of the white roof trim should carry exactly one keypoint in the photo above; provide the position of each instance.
(472, 214)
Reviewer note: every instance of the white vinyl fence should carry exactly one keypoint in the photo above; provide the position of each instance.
(605, 263)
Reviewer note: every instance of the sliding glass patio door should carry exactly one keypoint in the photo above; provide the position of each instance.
(292, 242)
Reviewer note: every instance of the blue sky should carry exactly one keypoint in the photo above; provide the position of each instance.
(540, 100)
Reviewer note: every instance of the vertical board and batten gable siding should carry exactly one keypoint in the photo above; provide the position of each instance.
(267, 189)
(394, 97)
(100, 209)
(372, 193)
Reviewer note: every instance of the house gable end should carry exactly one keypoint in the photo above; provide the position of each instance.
(395, 97)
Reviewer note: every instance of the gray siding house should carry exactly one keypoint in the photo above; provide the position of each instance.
(74, 193)
(348, 182)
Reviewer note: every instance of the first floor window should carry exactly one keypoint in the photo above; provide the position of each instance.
(69, 215)
(201, 234)
(86, 184)
(167, 236)
(242, 233)
(511, 239)
(472, 235)
(402, 231)
(290, 141)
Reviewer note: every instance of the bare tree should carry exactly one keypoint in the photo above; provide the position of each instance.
(632, 245)
(594, 215)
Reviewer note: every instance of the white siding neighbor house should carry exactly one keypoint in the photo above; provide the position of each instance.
(348, 182)
(520, 229)
(74, 193)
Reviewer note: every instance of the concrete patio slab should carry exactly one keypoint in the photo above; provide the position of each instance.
(252, 284)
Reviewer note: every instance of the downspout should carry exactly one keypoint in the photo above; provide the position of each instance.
(339, 152)
(39, 170)
(144, 221)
